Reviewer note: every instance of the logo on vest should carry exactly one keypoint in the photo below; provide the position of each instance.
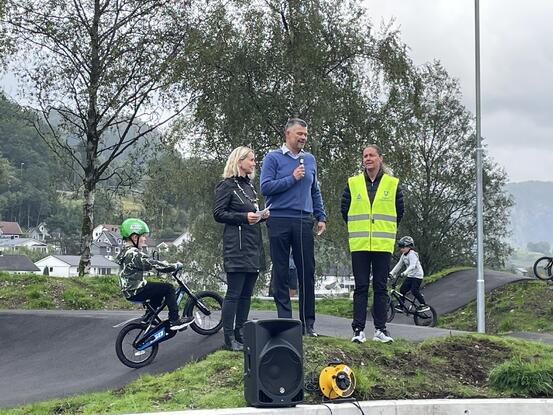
(359, 197)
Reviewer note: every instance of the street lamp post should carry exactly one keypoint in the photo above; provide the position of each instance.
(480, 292)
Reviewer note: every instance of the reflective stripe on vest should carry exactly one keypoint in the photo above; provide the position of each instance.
(372, 227)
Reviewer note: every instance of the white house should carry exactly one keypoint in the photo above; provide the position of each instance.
(67, 265)
(10, 230)
(99, 229)
(16, 243)
(178, 241)
(40, 233)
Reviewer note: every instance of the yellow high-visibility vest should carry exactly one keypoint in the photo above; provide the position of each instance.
(372, 227)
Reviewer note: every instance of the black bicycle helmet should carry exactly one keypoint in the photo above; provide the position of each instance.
(405, 242)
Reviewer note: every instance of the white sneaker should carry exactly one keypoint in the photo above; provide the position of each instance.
(358, 337)
(423, 308)
(382, 336)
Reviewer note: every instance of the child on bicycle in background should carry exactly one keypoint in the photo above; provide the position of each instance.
(133, 262)
(413, 272)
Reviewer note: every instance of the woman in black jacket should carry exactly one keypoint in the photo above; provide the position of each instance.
(236, 206)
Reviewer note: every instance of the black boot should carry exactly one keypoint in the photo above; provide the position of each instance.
(239, 335)
(232, 344)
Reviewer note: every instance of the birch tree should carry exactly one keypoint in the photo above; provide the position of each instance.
(93, 67)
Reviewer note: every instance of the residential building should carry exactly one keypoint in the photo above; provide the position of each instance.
(178, 241)
(108, 244)
(40, 233)
(17, 264)
(10, 230)
(99, 229)
(14, 244)
(68, 265)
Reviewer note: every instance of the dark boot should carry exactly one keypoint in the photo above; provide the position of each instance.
(239, 335)
(232, 344)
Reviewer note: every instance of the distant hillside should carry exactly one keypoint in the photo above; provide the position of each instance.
(532, 214)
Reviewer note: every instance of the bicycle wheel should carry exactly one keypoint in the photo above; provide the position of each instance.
(542, 268)
(207, 315)
(127, 353)
(426, 318)
(390, 310)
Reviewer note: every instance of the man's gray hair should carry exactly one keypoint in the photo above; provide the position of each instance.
(294, 121)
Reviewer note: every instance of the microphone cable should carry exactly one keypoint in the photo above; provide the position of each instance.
(303, 296)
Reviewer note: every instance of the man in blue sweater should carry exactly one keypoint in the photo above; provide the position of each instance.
(289, 185)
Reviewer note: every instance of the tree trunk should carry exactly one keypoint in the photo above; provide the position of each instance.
(87, 226)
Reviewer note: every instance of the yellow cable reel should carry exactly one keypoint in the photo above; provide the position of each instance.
(337, 381)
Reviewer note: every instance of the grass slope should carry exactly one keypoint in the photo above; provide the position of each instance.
(520, 306)
(30, 291)
(471, 366)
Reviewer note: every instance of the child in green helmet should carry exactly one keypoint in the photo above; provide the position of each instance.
(132, 264)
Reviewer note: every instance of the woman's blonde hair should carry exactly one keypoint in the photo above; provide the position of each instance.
(231, 168)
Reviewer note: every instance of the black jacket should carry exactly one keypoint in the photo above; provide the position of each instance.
(242, 244)
(371, 190)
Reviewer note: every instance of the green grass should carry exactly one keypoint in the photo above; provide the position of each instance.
(469, 366)
(520, 306)
(30, 291)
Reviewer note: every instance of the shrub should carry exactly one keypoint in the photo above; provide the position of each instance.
(77, 299)
(506, 325)
(528, 379)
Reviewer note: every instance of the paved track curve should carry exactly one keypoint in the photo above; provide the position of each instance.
(49, 354)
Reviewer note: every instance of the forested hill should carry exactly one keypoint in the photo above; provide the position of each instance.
(531, 215)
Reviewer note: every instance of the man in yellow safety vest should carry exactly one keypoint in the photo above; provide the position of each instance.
(372, 206)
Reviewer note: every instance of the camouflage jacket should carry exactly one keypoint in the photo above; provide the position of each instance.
(132, 264)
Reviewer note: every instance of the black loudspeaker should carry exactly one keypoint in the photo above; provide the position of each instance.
(273, 362)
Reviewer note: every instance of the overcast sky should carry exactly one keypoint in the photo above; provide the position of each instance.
(516, 69)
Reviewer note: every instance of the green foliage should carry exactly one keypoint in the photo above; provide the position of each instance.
(324, 63)
(524, 378)
(433, 134)
(76, 299)
(31, 291)
(522, 306)
(25, 167)
(94, 75)
(442, 367)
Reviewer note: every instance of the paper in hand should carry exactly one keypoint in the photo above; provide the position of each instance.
(261, 213)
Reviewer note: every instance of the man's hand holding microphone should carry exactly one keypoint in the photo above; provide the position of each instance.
(299, 172)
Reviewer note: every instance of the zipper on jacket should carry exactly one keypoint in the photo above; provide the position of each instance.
(238, 196)
(240, 236)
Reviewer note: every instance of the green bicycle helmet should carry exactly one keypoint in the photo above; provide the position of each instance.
(133, 225)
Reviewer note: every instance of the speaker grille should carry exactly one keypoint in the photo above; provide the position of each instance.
(280, 371)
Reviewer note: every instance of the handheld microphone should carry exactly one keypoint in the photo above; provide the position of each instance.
(301, 160)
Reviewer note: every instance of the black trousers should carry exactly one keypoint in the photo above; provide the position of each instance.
(298, 234)
(156, 292)
(236, 305)
(413, 285)
(363, 262)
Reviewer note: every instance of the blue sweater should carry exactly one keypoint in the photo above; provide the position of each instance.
(287, 196)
